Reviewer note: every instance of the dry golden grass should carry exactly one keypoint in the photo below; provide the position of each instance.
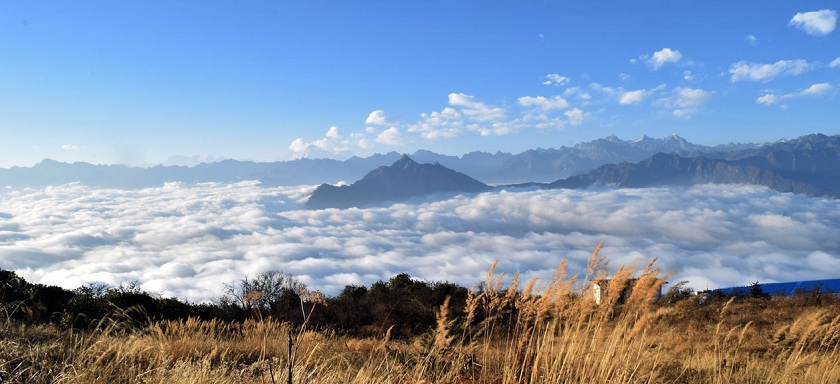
(542, 332)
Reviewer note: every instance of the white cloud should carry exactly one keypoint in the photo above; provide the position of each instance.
(664, 56)
(298, 147)
(607, 90)
(816, 23)
(770, 98)
(474, 109)
(187, 241)
(817, 89)
(465, 114)
(576, 116)
(333, 133)
(625, 97)
(751, 39)
(683, 101)
(495, 129)
(835, 63)
(555, 79)
(446, 124)
(461, 99)
(633, 97)
(378, 117)
(623, 77)
(690, 97)
(333, 143)
(743, 71)
(578, 93)
(390, 136)
(543, 103)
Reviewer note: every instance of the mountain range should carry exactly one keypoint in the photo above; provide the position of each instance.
(536, 165)
(808, 165)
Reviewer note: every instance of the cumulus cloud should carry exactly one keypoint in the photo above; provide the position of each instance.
(768, 99)
(474, 109)
(446, 124)
(333, 143)
(465, 114)
(390, 136)
(576, 116)
(546, 104)
(751, 39)
(378, 117)
(633, 97)
(555, 79)
(662, 57)
(683, 102)
(298, 147)
(187, 241)
(814, 90)
(816, 23)
(835, 63)
(690, 97)
(333, 133)
(743, 71)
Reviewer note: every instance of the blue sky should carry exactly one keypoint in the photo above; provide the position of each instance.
(137, 82)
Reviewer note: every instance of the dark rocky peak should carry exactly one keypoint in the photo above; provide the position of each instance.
(405, 162)
(403, 179)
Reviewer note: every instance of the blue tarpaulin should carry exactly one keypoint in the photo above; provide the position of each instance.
(790, 288)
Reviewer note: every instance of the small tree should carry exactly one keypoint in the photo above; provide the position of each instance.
(677, 292)
(86, 307)
(756, 292)
(263, 291)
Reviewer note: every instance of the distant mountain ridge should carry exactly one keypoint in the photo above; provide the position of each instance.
(404, 179)
(537, 165)
(541, 165)
(807, 165)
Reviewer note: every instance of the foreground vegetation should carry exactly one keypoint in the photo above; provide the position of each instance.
(408, 331)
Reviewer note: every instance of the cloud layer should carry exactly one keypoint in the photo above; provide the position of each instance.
(187, 241)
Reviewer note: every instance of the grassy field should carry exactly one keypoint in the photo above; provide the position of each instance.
(527, 332)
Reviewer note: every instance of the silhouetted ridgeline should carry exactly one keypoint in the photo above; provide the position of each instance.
(402, 180)
(533, 165)
(809, 165)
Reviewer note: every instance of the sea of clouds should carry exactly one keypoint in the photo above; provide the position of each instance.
(187, 241)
